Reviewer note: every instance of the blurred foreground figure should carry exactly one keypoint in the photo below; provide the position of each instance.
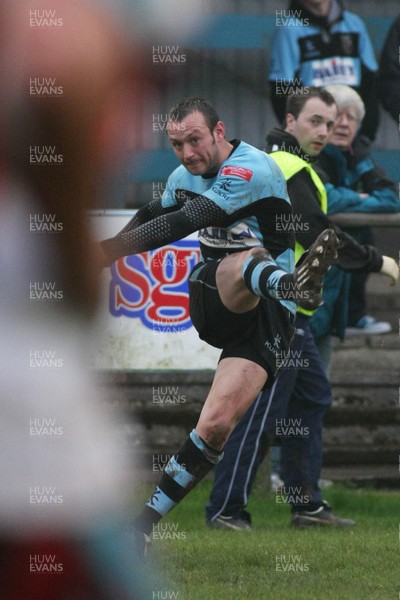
(66, 474)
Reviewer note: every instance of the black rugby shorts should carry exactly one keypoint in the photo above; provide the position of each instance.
(262, 335)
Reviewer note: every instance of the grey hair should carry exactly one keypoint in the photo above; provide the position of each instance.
(345, 97)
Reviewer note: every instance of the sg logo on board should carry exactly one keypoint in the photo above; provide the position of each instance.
(153, 286)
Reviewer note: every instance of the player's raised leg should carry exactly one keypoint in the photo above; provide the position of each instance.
(255, 271)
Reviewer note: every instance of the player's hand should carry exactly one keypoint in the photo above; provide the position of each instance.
(390, 268)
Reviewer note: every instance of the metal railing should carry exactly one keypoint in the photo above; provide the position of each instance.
(366, 219)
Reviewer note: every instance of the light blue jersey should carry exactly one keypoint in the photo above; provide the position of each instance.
(304, 56)
(251, 189)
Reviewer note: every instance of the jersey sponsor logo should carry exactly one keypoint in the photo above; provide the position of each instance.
(239, 236)
(334, 70)
(222, 188)
(275, 347)
(225, 184)
(241, 172)
(153, 286)
(310, 46)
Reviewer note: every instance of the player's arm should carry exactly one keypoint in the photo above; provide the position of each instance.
(343, 199)
(377, 192)
(146, 213)
(352, 256)
(143, 215)
(160, 206)
(166, 228)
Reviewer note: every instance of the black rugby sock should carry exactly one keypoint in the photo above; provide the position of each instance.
(183, 472)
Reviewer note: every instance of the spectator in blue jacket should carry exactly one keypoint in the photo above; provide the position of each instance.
(354, 183)
(320, 43)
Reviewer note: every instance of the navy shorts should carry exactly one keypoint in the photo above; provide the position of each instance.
(262, 335)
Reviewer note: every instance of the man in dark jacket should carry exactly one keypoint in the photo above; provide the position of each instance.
(320, 43)
(301, 396)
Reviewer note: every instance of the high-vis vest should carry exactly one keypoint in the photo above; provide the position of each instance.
(290, 164)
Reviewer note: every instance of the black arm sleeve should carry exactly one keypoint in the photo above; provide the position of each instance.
(376, 179)
(357, 258)
(306, 209)
(146, 213)
(166, 228)
(352, 255)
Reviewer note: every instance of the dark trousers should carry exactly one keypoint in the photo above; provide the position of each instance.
(292, 413)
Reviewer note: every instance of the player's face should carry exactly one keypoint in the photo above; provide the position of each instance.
(345, 128)
(312, 126)
(197, 148)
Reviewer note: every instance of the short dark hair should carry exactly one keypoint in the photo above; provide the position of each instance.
(296, 101)
(191, 104)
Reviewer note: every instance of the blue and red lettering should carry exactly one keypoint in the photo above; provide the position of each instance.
(154, 286)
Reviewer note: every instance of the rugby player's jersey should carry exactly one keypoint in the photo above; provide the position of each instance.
(251, 190)
(315, 57)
